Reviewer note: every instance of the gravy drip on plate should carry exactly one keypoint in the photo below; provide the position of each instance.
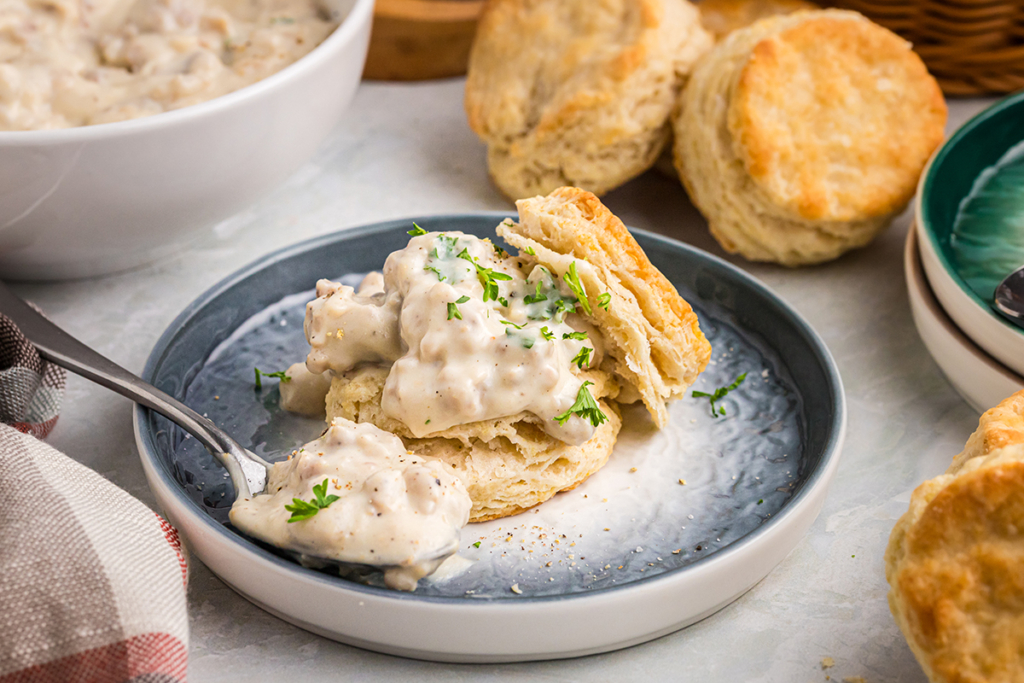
(393, 507)
(66, 63)
(469, 334)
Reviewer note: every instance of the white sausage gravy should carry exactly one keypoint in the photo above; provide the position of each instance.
(469, 333)
(393, 508)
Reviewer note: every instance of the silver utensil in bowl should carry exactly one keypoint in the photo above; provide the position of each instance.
(248, 471)
(1009, 297)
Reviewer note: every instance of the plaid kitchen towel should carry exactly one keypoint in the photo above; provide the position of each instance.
(92, 582)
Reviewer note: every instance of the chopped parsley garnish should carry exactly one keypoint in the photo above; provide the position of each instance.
(572, 279)
(302, 510)
(530, 251)
(585, 406)
(604, 300)
(527, 342)
(280, 374)
(453, 309)
(499, 251)
(575, 335)
(536, 297)
(583, 357)
(435, 271)
(487, 276)
(563, 305)
(477, 544)
(509, 322)
(546, 333)
(719, 394)
(503, 301)
(416, 231)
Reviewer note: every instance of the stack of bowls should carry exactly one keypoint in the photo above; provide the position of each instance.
(968, 235)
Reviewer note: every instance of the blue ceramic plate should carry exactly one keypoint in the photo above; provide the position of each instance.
(680, 522)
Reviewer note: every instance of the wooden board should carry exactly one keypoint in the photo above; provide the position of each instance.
(421, 39)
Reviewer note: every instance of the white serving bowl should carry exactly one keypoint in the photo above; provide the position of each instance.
(980, 379)
(93, 200)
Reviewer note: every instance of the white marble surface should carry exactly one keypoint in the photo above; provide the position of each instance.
(403, 150)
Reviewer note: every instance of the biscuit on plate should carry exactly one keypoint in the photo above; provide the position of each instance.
(508, 465)
(573, 92)
(722, 17)
(649, 348)
(801, 136)
(652, 333)
(954, 561)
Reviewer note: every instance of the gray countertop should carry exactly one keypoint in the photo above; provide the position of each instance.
(404, 150)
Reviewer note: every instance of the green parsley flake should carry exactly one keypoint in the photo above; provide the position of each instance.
(487, 276)
(477, 544)
(302, 510)
(585, 406)
(535, 298)
(280, 374)
(440, 277)
(503, 301)
(719, 394)
(509, 322)
(530, 251)
(583, 357)
(604, 300)
(572, 279)
(416, 231)
(575, 335)
(546, 333)
(453, 309)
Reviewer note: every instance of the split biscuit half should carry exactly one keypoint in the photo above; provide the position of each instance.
(650, 348)
(801, 136)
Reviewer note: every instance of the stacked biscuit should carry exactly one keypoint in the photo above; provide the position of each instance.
(798, 137)
(955, 561)
(652, 351)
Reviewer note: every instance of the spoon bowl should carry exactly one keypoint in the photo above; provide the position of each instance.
(248, 471)
(1009, 297)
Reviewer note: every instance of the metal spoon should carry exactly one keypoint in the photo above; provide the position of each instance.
(248, 471)
(1009, 297)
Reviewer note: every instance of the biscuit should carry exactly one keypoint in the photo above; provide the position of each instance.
(954, 559)
(801, 136)
(508, 465)
(722, 17)
(651, 331)
(650, 348)
(572, 92)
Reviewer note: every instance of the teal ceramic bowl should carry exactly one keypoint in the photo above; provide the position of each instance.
(970, 223)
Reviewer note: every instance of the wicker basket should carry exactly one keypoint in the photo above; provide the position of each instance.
(972, 47)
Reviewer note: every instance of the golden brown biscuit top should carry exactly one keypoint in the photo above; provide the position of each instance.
(722, 17)
(535, 64)
(998, 427)
(960, 578)
(834, 117)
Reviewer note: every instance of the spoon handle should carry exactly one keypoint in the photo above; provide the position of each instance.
(248, 472)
